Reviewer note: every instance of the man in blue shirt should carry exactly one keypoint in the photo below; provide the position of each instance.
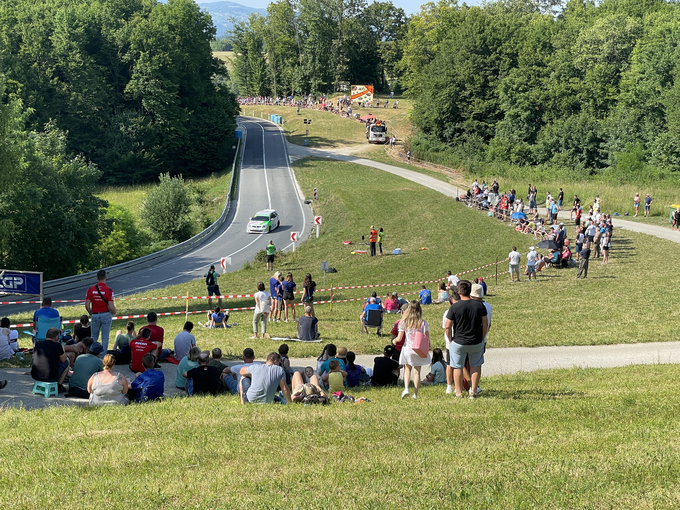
(372, 305)
(425, 296)
(45, 312)
(148, 385)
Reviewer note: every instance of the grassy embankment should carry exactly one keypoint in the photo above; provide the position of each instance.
(225, 56)
(351, 198)
(552, 439)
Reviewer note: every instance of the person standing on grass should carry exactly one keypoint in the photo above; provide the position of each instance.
(211, 284)
(468, 325)
(99, 304)
(271, 254)
(560, 199)
(676, 220)
(648, 205)
(411, 323)
(636, 203)
(381, 240)
(514, 258)
(531, 263)
(372, 239)
(308, 288)
(454, 297)
(604, 246)
(275, 294)
(261, 311)
(289, 295)
(576, 205)
(583, 262)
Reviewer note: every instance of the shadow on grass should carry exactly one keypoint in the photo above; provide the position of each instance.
(532, 394)
(318, 142)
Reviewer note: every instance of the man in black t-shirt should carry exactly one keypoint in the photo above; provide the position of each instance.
(49, 360)
(583, 261)
(308, 326)
(466, 325)
(676, 219)
(385, 369)
(204, 378)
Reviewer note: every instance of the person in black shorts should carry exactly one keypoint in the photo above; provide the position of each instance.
(676, 220)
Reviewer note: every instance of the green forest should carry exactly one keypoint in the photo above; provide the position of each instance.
(576, 87)
(96, 92)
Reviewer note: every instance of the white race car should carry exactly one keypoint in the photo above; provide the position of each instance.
(263, 221)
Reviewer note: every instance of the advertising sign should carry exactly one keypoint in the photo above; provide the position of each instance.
(20, 282)
(362, 93)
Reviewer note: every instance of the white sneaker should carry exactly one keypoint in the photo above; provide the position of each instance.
(475, 394)
(449, 389)
(414, 396)
(404, 393)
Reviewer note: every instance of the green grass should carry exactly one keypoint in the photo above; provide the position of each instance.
(209, 193)
(226, 57)
(627, 301)
(552, 439)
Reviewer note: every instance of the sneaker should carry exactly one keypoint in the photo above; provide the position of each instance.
(414, 396)
(404, 393)
(475, 394)
(449, 389)
(61, 388)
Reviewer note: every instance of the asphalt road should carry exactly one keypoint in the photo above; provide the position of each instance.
(265, 181)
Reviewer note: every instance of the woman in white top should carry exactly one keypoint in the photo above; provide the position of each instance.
(6, 350)
(411, 323)
(262, 307)
(107, 386)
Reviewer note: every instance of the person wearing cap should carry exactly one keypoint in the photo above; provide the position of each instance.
(372, 305)
(372, 239)
(211, 283)
(385, 369)
(84, 367)
(531, 262)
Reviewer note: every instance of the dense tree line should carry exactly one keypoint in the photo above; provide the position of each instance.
(587, 87)
(315, 46)
(102, 91)
(132, 82)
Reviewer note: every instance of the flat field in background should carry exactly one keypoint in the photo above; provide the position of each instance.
(225, 56)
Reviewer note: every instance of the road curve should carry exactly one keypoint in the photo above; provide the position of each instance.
(266, 180)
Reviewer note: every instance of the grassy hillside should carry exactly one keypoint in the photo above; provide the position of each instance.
(558, 310)
(553, 439)
(225, 56)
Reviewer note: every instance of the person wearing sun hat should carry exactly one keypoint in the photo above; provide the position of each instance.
(83, 368)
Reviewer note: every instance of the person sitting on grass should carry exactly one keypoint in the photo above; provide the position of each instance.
(203, 379)
(49, 360)
(231, 376)
(108, 387)
(331, 352)
(385, 369)
(265, 380)
(308, 326)
(217, 319)
(85, 366)
(335, 378)
(139, 346)
(437, 373)
(425, 296)
(372, 305)
(391, 303)
(121, 346)
(354, 372)
(285, 362)
(148, 385)
(443, 296)
(75, 350)
(184, 340)
(309, 372)
(82, 328)
(216, 360)
(185, 364)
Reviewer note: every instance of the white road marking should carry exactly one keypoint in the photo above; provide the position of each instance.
(264, 165)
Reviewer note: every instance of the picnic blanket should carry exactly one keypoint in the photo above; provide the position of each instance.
(288, 339)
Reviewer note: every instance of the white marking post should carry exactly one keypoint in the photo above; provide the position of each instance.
(316, 195)
(224, 262)
(317, 222)
(293, 237)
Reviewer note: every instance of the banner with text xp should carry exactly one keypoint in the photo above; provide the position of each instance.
(362, 93)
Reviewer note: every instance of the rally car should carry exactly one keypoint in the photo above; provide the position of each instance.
(263, 221)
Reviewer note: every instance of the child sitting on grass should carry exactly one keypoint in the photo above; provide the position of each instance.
(335, 378)
(437, 373)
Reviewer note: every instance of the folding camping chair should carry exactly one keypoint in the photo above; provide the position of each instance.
(374, 319)
(42, 325)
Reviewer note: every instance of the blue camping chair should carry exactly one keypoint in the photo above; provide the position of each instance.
(374, 319)
(42, 325)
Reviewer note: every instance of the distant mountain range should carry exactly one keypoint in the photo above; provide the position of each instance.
(222, 12)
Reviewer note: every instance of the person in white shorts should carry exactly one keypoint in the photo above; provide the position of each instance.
(531, 263)
(514, 258)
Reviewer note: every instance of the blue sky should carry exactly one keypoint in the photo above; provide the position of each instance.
(410, 6)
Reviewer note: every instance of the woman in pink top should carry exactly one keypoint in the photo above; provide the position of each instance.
(391, 303)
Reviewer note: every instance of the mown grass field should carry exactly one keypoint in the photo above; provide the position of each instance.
(209, 193)
(225, 56)
(553, 439)
(628, 300)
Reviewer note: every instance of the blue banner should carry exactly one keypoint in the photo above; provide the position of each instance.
(20, 282)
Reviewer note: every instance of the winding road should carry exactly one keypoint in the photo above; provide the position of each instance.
(265, 181)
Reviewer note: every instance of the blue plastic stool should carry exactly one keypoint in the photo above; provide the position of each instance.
(46, 389)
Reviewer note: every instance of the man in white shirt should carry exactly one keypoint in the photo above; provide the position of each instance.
(514, 258)
(452, 281)
(590, 231)
(531, 263)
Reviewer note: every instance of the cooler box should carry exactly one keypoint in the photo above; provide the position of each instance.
(396, 251)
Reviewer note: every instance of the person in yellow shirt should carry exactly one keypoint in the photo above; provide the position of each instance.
(335, 378)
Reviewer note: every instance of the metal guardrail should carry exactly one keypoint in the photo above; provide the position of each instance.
(72, 282)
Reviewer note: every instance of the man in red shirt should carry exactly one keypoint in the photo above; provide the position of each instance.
(157, 334)
(99, 304)
(139, 346)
